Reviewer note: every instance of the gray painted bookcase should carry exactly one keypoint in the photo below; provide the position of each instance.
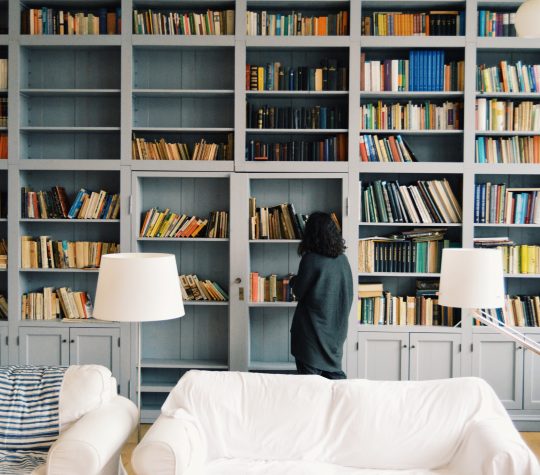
(74, 104)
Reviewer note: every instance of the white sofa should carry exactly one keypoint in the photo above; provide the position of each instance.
(95, 423)
(231, 423)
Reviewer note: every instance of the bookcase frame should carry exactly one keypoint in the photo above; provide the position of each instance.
(240, 173)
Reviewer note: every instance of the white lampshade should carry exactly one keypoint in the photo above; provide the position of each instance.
(528, 19)
(138, 287)
(471, 278)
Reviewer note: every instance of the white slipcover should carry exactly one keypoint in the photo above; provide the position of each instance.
(247, 423)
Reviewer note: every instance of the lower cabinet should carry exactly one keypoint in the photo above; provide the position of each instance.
(394, 356)
(65, 346)
(512, 371)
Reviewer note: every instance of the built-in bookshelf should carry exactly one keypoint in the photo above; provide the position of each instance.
(159, 115)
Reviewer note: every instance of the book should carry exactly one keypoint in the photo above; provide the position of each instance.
(392, 148)
(294, 23)
(506, 77)
(496, 23)
(195, 289)
(514, 149)
(209, 22)
(270, 288)
(414, 23)
(500, 116)
(3, 73)
(286, 117)
(168, 224)
(51, 304)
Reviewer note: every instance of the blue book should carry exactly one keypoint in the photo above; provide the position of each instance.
(269, 77)
(278, 24)
(476, 204)
(76, 206)
(422, 71)
(441, 70)
(482, 23)
(412, 78)
(102, 21)
(483, 203)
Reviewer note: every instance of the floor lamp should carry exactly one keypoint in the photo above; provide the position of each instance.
(473, 279)
(135, 288)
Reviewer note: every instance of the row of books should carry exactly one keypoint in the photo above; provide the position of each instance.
(500, 204)
(521, 311)
(501, 116)
(183, 23)
(3, 146)
(329, 76)
(286, 117)
(3, 308)
(54, 21)
(275, 222)
(50, 304)
(492, 23)
(44, 253)
(385, 149)
(518, 77)
(264, 23)
(424, 70)
(3, 111)
(429, 201)
(3, 254)
(411, 116)
(54, 204)
(3, 73)
(167, 224)
(163, 150)
(508, 149)
(431, 23)
(380, 307)
(195, 290)
(270, 288)
(419, 250)
(328, 149)
(517, 258)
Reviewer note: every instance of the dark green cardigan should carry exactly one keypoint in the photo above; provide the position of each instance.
(324, 290)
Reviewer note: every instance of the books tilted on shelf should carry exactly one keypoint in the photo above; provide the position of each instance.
(413, 251)
(329, 76)
(500, 204)
(425, 70)
(211, 22)
(508, 149)
(508, 78)
(501, 116)
(392, 148)
(52, 21)
(379, 307)
(167, 224)
(3, 73)
(429, 201)
(411, 116)
(431, 23)
(44, 253)
(519, 311)
(51, 304)
(54, 204)
(3, 146)
(271, 288)
(275, 222)
(327, 149)
(3, 308)
(163, 150)
(194, 289)
(3, 111)
(311, 117)
(492, 23)
(264, 23)
(517, 259)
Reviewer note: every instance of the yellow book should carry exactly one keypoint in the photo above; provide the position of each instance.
(156, 226)
(524, 255)
(260, 78)
(531, 259)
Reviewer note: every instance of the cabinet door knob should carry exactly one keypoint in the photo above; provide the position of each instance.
(72, 341)
(404, 346)
(412, 346)
(64, 340)
(519, 348)
(238, 280)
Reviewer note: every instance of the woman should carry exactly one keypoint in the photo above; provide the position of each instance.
(324, 290)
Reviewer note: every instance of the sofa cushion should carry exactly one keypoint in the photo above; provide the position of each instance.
(269, 467)
(84, 388)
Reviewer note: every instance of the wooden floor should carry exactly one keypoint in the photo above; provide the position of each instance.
(532, 438)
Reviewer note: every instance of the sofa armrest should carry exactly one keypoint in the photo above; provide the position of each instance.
(493, 447)
(172, 446)
(92, 445)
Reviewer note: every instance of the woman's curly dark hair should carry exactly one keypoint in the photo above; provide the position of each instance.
(321, 236)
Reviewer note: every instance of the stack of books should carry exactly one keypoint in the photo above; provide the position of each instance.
(431, 23)
(163, 150)
(181, 23)
(501, 116)
(264, 23)
(51, 304)
(270, 288)
(429, 201)
(508, 78)
(197, 290)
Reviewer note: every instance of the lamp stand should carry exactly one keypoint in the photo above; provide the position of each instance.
(506, 330)
(139, 372)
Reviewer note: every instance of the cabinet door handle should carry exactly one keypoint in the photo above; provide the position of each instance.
(72, 341)
(64, 340)
(404, 346)
(238, 280)
(519, 348)
(413, 346)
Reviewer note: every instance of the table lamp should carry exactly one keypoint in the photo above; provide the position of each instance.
(473, 279)
(138, 287)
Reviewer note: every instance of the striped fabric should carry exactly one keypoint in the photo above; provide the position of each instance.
(29, 415)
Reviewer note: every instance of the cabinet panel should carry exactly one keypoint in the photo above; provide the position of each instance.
(95, 346)
(434, 356)
(3, 346)
(500, 362)
(383, 356)
(531, 372)
(43, 346)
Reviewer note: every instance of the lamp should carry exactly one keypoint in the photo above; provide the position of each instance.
(474, 279)
(138, 287)
(528, 19)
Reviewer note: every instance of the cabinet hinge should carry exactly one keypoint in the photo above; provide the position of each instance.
(459, 348)
(17, 341)
(7, 340)
(472, 347)
(356, 346)
(346, 206)
(118, 342)
(130, 205)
